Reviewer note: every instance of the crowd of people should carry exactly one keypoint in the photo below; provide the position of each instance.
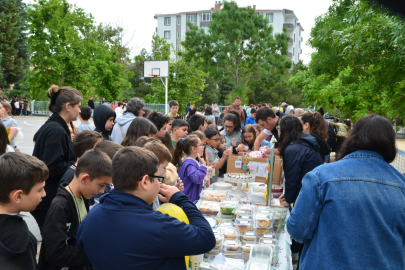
(18, 107)
(95, 190)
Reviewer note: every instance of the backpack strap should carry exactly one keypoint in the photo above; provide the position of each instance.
(122, 132)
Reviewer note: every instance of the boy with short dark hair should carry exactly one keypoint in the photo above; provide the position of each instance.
(160, 122)
(68, 210)
(179, 130)
(82, 142)
(142, 238)
(84, 116)
(222, 115)
(108, 147)
(198, 122)
(251, 119)
(191, 112)
(213, 142)
(22, 181)
(174, 108)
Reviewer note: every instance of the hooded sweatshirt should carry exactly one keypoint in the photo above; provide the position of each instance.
(123, 122)
(58, 247)
(101, 115)
(299, 158)
(53, 146)
(18, 246)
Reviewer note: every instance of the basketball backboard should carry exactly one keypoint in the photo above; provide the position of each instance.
(156, 69)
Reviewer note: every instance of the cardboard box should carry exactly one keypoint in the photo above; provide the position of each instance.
(235, 163)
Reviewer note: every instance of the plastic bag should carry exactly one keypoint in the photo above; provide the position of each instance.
(19, 138)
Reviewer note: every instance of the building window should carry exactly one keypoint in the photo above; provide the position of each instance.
(269, 16)
(192, 18)
(178, 20)
(294, 37)
(167, 20)
(167, 34)
(178, 34)
(293, 51)
(168, 47)
(206, 16)
(156, 29)
(206, 30)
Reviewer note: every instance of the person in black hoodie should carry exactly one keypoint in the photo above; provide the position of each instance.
(67, 211)
(314, 124)
(22, 181)
(103, 118)
(300, 153)
(53, 144)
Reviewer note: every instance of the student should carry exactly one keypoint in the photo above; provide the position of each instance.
(68, 210)
(84, 141)
(53, 143)
(197, 122)
(191, 111)
(249, 138)
(84, 116)
(201, 136)
(6, 118)
(103, 119)
(221, 116)
(269, 120)
(127, 212)
(5, 137)
(221, 149)
(138, 128)
(169, 125)
(135, 108)
(164, 157)
(180, 130)
(160, 122)
(108, 147)
(119, 111)
(251, 119)
(208, 115)
(22, 181)
(174, 108)
(232, 129)
(213, 142)
(192, 172)
(258, 129)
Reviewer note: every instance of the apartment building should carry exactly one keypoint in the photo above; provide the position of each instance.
(173, 27)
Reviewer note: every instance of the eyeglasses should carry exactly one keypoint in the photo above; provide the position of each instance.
(217, 140)
(229, 127)
(200, 145)
(160, 178)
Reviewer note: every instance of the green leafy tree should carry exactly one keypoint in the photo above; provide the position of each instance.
(13, 41)
(239, 46)
(210, 94)
(359, 64)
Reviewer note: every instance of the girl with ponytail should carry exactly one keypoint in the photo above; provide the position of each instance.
(53, 143)
(192, 172)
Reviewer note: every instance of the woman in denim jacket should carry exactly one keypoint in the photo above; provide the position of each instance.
(350, 213)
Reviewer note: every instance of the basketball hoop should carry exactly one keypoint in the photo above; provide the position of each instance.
(153, 75)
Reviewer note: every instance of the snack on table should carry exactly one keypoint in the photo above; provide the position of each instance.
(222, 217)
(247, 247)
(218, 238)
(214, 195)
(225, 223)
(246, 208)
(260, 230)
(248, 236)
(239, 178)
(264, 209)
(256, 154)
(232, 245)
(209, 208)
(268, 236)
(229, 232)
(263, 220)
(243, 225)
(227, 207)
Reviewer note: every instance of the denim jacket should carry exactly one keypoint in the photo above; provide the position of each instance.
(350, 214)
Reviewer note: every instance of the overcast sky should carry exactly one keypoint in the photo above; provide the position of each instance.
(137, 16)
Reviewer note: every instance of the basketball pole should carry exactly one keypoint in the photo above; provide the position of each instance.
(166, 85)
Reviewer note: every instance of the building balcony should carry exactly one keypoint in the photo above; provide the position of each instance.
(290, 27)
(289, 55)
(291, 41)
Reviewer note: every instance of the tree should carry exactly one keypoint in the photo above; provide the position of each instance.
(210, 94)
(240, 46)
(13, 41)
(359, 64)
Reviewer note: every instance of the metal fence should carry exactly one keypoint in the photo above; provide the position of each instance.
(399, 162)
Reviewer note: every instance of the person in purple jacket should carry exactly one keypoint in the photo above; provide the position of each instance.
(192, 172)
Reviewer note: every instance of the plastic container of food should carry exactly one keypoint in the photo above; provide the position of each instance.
(231, 246)
(269, 242)
(247, 247)
(229, 233)
(263, 220)
(209, 208)
(247, 208)
(243, 225)
(227, 207)
(221, 217)
(261, 252)
(268, 236)
(214, 195)
(249, 217)
(226, 223)
(248, 236)
(240, 213)
(207, 266)
(263, 230)
(264, 209)
(218, 238)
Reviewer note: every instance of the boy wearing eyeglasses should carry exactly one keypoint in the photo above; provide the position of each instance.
(213, 142)
(139, 237)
